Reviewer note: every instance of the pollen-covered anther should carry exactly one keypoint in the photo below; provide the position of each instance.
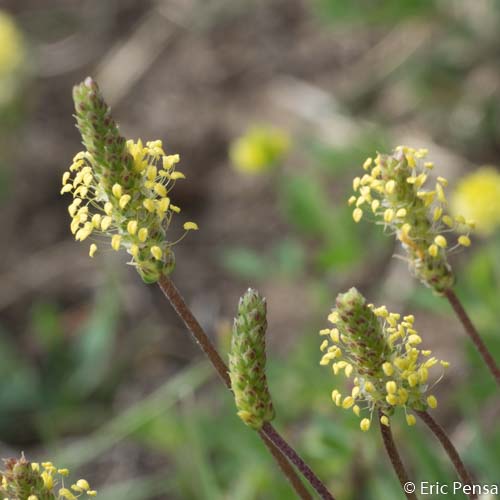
(156, 252)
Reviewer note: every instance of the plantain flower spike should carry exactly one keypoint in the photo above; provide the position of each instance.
(379, 351)
(24, 480)
(247, 361)
(393, 190)
(121, 189)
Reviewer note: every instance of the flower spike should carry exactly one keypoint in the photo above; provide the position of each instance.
(22, 479)
(247, 362)
(121, 188)
(379, 351)
(394, 192)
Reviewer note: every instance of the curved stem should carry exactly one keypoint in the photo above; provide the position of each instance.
(473, 333)
(397, 463)
(181, 308)
(443, 438)
(272, 434)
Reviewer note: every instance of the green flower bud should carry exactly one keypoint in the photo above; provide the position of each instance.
(247, 362)
(100, 134)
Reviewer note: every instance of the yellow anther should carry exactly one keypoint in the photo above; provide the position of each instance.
(464, 241)
(413, 379)
(357, 214)
(392, 399)
(149, 205)
(391, 387)
(115, 242)
(163, 205)
(117, 191)
(132, 227)
(106, 223)
(388, 368)
(369, 387)
(160, 190)
(177, 175)
(348, 402)
(151, 173)
(134, 250)
(440, 241)
(410, 419)
(390, 186)
(124, 199)
(433, 250)
(388, 215)
(438, 211)
(432, 401)
(365, 425)
(367, 164)
(156, 252)
(83, 484)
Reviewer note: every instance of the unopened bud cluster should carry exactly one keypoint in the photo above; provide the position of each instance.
(24, 480)
(247, 361)
(121, 189)
(394, 191)
(378, 349)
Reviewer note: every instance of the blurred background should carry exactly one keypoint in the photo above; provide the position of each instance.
(273, 106)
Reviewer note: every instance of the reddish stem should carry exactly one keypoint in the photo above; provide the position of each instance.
(272, 434)
(473, 333)
(397, 463)
(446, 443)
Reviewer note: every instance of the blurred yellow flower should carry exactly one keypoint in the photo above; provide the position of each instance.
(12, 55)
(259, 149)
(11, 44)
(477, 197)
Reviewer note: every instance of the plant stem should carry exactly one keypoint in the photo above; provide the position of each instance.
(286, 468)
(473, 333)
(441, 435)
(272, 434)
(269, 435)
(392, 452)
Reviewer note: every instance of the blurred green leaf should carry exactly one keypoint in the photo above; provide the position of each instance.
(142, 488)
(198, 448)
(22, 390)
(245, 263)
(338, 161)
(375, 11)
(132, 419)
(95, 345)
(306, 205)
(290, 257)
(46, 324)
